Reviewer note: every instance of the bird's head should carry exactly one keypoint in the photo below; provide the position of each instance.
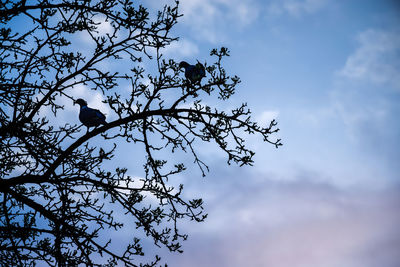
(80, 102)
(183, 64)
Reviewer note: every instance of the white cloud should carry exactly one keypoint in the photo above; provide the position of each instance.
(209, 19)
(93, 98)
(266, 117)
(70, 112)
(354, 115)
(376, 59)
(297, 225)
(214, 21)
(295, 8)
(103, 27)
(182, 48)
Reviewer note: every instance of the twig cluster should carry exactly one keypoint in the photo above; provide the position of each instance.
(57, 194)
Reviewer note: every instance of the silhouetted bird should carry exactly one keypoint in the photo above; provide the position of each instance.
(194, 73)
(88, 116)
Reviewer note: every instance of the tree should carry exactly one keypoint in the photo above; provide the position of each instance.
(58, 190)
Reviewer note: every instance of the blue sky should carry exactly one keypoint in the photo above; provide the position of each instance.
(329, 72)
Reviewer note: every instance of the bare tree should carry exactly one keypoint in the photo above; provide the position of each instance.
(58, 193)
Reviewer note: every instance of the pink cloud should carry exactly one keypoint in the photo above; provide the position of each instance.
(297, 225)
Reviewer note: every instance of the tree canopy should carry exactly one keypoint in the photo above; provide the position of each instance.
(59, 192)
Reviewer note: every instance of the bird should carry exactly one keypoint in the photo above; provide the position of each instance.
(88, 116)
(194, 73)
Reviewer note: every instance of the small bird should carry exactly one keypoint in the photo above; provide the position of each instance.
(88, 116)
(194, 73)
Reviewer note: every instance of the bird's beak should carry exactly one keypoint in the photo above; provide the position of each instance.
(74, 102)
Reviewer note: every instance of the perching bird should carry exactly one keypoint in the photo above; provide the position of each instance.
(88, 116)
(194, 73)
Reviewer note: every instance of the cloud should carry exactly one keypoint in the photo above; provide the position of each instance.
(354, 110)
(103, 27)
(362, 98)
(266, 117)
(377, 59)
(94, 98)
(263, 223)
(182, 48)
(209, 19)
(70, 113)
(370, 123)
(295, 8)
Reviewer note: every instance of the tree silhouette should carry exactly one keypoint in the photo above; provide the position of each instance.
(59, 191)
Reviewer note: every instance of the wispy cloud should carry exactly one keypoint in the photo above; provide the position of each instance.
(208, 19)
(182, 48)
(295, 8)
(296, 224)
(377, 59)
(360, 99)
(71, 111)
(354, 114)
(103, 27)
(266, 117)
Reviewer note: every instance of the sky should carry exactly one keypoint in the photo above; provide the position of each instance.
(329, 72)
